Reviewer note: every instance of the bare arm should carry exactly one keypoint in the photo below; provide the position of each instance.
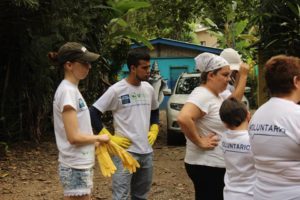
(187, 121)
(241, 82)
(73, 134)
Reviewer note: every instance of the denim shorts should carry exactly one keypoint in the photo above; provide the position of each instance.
(76, 182)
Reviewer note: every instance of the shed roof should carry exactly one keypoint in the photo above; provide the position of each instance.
(181, 44)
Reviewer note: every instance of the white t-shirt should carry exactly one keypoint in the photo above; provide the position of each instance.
(240, 172)
(78, 157)
(210, 123)
(227, 92)
(275, 140)
(131, 108)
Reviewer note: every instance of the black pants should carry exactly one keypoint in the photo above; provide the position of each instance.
(208, 181)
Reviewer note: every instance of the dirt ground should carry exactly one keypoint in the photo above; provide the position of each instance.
(29, 172)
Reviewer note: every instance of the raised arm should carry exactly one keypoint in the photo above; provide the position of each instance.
(241, 82)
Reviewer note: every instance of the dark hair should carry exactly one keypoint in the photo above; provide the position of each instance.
(280, 73)
(135, 56)
(53, 57)
(204, 75)
(233, 112)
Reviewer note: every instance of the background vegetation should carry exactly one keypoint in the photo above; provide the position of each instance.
(29, 29)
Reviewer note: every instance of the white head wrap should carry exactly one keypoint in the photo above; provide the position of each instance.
(206, 62)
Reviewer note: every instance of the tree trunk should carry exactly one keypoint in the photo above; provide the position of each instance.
(262, 95)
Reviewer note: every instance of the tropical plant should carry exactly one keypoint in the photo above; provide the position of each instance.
(169, 19)
(221, 11)
(118, 27)
(279, 29)
(234, 31)
(239, 34)
(279, 25)
(29, 30)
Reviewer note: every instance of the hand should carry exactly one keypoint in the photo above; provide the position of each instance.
(103, 138)
(119, 140)
(97, 144)
(152, 134)
(209, 142)
(244, 69)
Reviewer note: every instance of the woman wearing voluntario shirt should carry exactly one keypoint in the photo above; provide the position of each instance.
(200, 122)
(275, 132)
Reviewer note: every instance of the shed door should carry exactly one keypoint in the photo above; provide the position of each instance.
(174, 74)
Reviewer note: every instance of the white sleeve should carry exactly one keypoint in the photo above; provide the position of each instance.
(67, 98)
(108, 101)
(225, 94)
(199, 98)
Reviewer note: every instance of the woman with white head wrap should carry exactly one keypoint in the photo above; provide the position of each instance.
(200, 122)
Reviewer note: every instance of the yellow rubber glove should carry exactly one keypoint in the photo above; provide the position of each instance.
(119, 140)
(152, 134)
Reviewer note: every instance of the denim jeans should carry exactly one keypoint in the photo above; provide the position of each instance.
(136, 185)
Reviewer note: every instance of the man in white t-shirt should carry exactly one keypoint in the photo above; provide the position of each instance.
(134, 108)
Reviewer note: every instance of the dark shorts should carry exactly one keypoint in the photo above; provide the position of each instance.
(208, 181)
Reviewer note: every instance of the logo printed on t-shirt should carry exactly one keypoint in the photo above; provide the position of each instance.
(138, 98)
(271, 130)
(235, 147)
(81, 103)
(125, 99)
(85, 153)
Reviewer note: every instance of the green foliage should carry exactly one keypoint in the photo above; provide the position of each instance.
(279, 29)
(29, 30)
(222, 12)
(279, 23)
(32, 4)
(125, 6)
(119, 28)
(234, 32)
(234, 29)
(169, 19)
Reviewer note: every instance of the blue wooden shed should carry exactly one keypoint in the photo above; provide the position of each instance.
(173, 58)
